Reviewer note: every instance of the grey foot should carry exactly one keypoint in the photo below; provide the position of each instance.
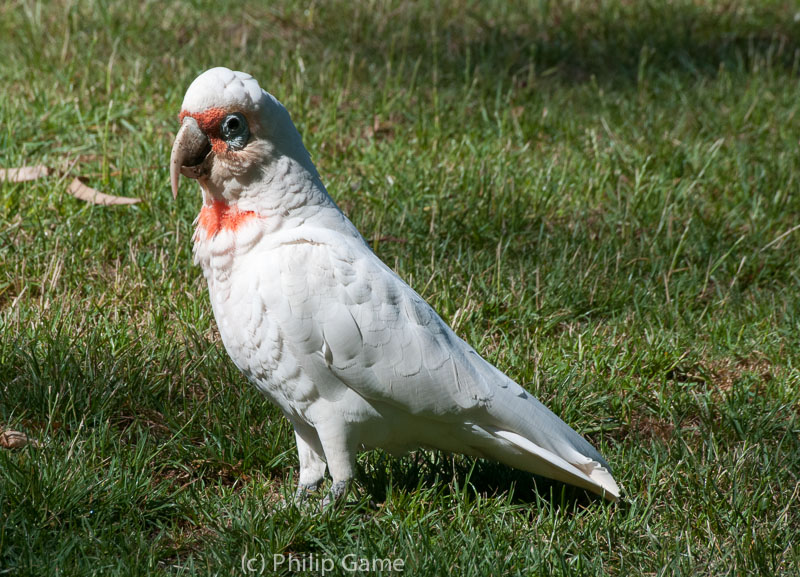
(306, 491)
(336, 494)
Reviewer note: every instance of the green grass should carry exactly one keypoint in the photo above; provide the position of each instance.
(601, 197)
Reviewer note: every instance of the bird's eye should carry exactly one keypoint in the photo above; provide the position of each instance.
(234, 130)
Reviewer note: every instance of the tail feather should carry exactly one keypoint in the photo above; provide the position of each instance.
(547, 444)
(590, 475)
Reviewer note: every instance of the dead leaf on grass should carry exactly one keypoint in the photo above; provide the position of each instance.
(80, 190)
(24, 173)
(15, 440)
(76, 188)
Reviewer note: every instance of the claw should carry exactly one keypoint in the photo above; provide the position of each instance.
(305, 492)
(336, 494)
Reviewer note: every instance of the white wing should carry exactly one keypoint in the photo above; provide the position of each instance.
(342, 309)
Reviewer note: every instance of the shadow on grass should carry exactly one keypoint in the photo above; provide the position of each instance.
(462, 475)
(608, 40)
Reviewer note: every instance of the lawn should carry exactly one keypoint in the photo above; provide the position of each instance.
(601, 197)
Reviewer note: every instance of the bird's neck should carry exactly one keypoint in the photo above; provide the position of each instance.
(285, 199)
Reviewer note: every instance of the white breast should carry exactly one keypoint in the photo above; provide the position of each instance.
(236, 267)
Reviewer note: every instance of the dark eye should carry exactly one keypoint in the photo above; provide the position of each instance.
(234, 130)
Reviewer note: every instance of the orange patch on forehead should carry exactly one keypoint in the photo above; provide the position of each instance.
(221, 216)
(209, 122)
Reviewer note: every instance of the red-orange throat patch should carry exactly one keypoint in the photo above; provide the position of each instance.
(222, 216)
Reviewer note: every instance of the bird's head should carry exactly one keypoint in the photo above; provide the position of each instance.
(231, 133)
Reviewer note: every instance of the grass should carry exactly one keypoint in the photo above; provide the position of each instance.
(601, 197)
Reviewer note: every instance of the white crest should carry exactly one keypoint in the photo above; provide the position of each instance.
(222, 88)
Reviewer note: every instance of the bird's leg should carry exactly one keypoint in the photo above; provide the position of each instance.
(340, 453)
(312, 463)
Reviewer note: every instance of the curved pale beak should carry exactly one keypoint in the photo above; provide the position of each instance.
(190, 149)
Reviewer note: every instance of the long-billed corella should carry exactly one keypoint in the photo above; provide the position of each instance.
(350, 353)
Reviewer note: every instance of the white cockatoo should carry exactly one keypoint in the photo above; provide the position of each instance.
(350, 353)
